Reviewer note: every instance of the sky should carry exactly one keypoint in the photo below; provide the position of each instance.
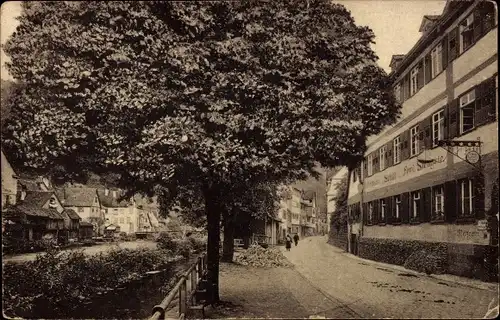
(394, 22)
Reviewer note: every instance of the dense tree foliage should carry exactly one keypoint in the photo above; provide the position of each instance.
(198, 95)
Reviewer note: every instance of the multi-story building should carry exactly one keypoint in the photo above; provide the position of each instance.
(9, 182)
(333, 192)
(86, 203)
(430, 176)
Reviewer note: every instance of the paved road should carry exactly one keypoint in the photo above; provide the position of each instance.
(356, 288)
(88, 250)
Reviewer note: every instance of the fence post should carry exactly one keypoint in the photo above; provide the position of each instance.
(200, 267)
(182, 297)
(194, 281)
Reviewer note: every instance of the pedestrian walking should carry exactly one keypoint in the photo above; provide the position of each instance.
(288, 242)
(296, 239)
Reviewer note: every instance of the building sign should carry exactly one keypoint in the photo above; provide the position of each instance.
(432, 160)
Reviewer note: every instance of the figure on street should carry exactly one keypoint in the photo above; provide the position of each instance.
(296, 239)
(288, 242)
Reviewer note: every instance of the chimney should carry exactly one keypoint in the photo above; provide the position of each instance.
(106, 192)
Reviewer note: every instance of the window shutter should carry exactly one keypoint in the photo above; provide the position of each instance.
(485, 102)
(478, 183)
(388, 210)
(406, 86)
(365, 214)
(444, 53)
(428, 75)
(389, 159)
(365, 168)
(426, 207)
(450, 201)
(405, 145)
(454, 121)
(401, 91)
(488, 13)
(376, 161)
(427, 130)
(478, 23)
(420, 76)
(405, 207)
(445, 123)
(376, 211)
(452, 44)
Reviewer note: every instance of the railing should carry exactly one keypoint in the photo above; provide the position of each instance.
(184, 291)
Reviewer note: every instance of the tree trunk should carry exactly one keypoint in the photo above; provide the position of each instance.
(212, 208)
(228, 244)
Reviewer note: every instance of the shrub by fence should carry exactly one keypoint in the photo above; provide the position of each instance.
(63, 280)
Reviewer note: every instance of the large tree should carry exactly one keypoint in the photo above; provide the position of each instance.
(193, 93)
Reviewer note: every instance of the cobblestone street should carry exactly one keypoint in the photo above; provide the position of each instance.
(365, 289)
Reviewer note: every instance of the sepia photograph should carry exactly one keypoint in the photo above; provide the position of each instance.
(249, 159)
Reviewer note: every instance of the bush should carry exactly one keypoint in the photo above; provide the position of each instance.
(183, 247)
(165, 241)
(430, 261)
(59, 280)
(198, 243)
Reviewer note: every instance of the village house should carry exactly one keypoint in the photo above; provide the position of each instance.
(37, 215)
(429, 177)
(119, 212)
(339, 234)
(86, 203)
(9, 182)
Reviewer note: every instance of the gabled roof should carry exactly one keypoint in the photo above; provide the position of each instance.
(37, 198)
(396, 58)
(77, 197)
(32, 211)
(427, 21)
(72, 214)
(109, 201)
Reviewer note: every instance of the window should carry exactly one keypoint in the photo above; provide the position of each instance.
(397, 92)
(382, 158)
(466, 197)
(436, 60)
(438, 203)
(370, 164)
(115, 210)
(122, 220)
(437, 127)
(397, 149)
(382, 209)
(370, 212)
(414, 136)
(129, 220)
(467, 111)
(397, 207)
(466, 33)
(415, 204)
(7, 199)
(80, 209)
(414, 81)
